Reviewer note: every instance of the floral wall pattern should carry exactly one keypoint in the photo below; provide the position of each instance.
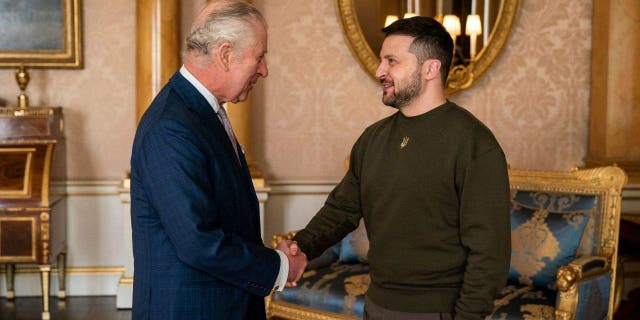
(318, 99)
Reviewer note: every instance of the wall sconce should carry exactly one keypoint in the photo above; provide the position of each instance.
(451, 22)
(473, 29)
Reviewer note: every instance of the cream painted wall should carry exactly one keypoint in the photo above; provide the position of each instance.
(317, 98)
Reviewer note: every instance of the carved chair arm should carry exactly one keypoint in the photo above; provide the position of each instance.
(570, 277)
(580, 268)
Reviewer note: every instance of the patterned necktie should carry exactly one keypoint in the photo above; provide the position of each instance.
(227, 127)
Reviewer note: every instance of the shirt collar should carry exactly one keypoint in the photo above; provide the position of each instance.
(213, 102)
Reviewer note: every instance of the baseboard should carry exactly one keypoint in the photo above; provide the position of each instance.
(86, 281)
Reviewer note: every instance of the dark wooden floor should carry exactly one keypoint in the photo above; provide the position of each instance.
(104, 308)
(74, 308)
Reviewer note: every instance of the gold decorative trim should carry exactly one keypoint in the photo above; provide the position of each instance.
(46, 175)
(126, 281)
(26, 185)
(31, 112)
(69, 57)
(294, 312)
(96, 183)
(12, 259)
(80, 193)
(45, 278)
(606, 182)
(463, 78)
(75, 270)
(570, 276)
(368, 59)
(27, 141)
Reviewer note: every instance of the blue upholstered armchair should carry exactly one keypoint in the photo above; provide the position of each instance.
(564, 231)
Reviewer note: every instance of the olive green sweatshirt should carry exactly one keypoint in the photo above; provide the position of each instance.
(433, 190)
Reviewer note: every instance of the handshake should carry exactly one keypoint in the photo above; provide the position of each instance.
(297, 261)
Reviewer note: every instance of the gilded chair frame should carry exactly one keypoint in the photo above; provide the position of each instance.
(604, 182)
(291, 311)
(607, 183)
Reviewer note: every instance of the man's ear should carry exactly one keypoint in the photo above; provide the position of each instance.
(224, 55)
(431, 69)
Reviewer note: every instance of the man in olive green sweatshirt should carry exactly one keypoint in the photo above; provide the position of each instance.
(431, 183)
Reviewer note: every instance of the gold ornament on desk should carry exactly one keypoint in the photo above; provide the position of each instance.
(22, 77)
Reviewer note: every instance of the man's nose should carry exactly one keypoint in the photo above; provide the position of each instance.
(381, 71)
(263, 70)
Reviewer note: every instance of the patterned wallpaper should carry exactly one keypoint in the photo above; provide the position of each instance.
(317, 99)
(98, 101)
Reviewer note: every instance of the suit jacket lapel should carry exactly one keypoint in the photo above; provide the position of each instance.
(206, 115)
(204, 111)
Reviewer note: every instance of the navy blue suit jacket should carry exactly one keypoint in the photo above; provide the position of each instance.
(197, 248)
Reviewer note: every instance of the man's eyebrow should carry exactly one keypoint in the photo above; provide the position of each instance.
(387, 56)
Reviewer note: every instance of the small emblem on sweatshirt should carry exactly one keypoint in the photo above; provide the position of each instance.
(404, 143)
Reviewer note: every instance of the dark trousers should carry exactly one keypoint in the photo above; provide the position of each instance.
(373, 311)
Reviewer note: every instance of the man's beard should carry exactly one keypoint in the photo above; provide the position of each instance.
(403, 96)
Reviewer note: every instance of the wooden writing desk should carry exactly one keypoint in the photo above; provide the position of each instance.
(28, 138)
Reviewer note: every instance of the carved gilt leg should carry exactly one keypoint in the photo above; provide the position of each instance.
(62, 272)
(10, 274)
(45, 274)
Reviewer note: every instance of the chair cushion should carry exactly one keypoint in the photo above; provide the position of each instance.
(541, 242)
(338, 288)
(355, 246)
(567, 203)
(524, 302)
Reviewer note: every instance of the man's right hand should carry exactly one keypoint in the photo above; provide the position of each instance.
(297, 261)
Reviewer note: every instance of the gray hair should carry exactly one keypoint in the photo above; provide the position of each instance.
(231, 23)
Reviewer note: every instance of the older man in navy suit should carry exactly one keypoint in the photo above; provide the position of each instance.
(195, 217)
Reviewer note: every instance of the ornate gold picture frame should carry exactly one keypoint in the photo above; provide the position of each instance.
(41, 33)
(460, 76)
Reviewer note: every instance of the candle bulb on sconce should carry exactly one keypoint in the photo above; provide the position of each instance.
(451, 22)
(390, 19)
(473, 29)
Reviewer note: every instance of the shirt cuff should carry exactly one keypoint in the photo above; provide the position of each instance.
(281, 281)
